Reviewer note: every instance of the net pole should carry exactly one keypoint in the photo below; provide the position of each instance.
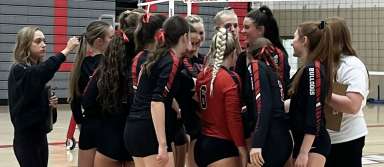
(171, 8)
(189, 7)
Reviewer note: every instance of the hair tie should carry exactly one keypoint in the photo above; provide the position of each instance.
(160, 35)
(262, 50)
(266, 11)
(265, 49)
(270, 50)
(120, 33)
(262, 10)
(83, 36)
(146, 17)
(322, 24)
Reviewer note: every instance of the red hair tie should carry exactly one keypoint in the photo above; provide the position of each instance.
(160, 35)
(146, 17)
(120, 33)
(262, 50)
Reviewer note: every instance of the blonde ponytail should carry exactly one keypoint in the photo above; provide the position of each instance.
(220, 40)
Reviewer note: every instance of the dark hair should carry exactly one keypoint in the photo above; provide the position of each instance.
(174, 27)
(94, 30)
(112, 74)
(146, 30)
(264, 17)
(320, 47)
(128, 24)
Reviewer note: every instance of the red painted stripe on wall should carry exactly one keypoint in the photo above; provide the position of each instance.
(195, 8)
(152, 8)
(60, 29)
(66, 67)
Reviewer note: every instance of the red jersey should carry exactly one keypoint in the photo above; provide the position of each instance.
(221, 111)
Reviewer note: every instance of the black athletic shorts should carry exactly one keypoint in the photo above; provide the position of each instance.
(321, 144)
(193, 130)
(211, 149)
(191, 123)
(140, 138)
(278, 146)
(111, 141)
(89, 129)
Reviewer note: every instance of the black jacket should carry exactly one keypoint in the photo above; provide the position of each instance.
(158, 86)
(27, 93)
(241, 70)
(189, 70)
(305, 119)
(271, 107)
(92, 105)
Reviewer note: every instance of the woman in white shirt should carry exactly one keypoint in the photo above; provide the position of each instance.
(348, 143)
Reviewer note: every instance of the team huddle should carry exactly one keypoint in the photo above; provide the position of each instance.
(144, 95)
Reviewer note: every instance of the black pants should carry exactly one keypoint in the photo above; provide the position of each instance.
(346, 154)
(31, 149)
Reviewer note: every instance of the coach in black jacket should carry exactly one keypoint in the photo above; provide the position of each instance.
(28, 95)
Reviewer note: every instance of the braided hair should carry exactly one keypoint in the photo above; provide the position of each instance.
(223, 44)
